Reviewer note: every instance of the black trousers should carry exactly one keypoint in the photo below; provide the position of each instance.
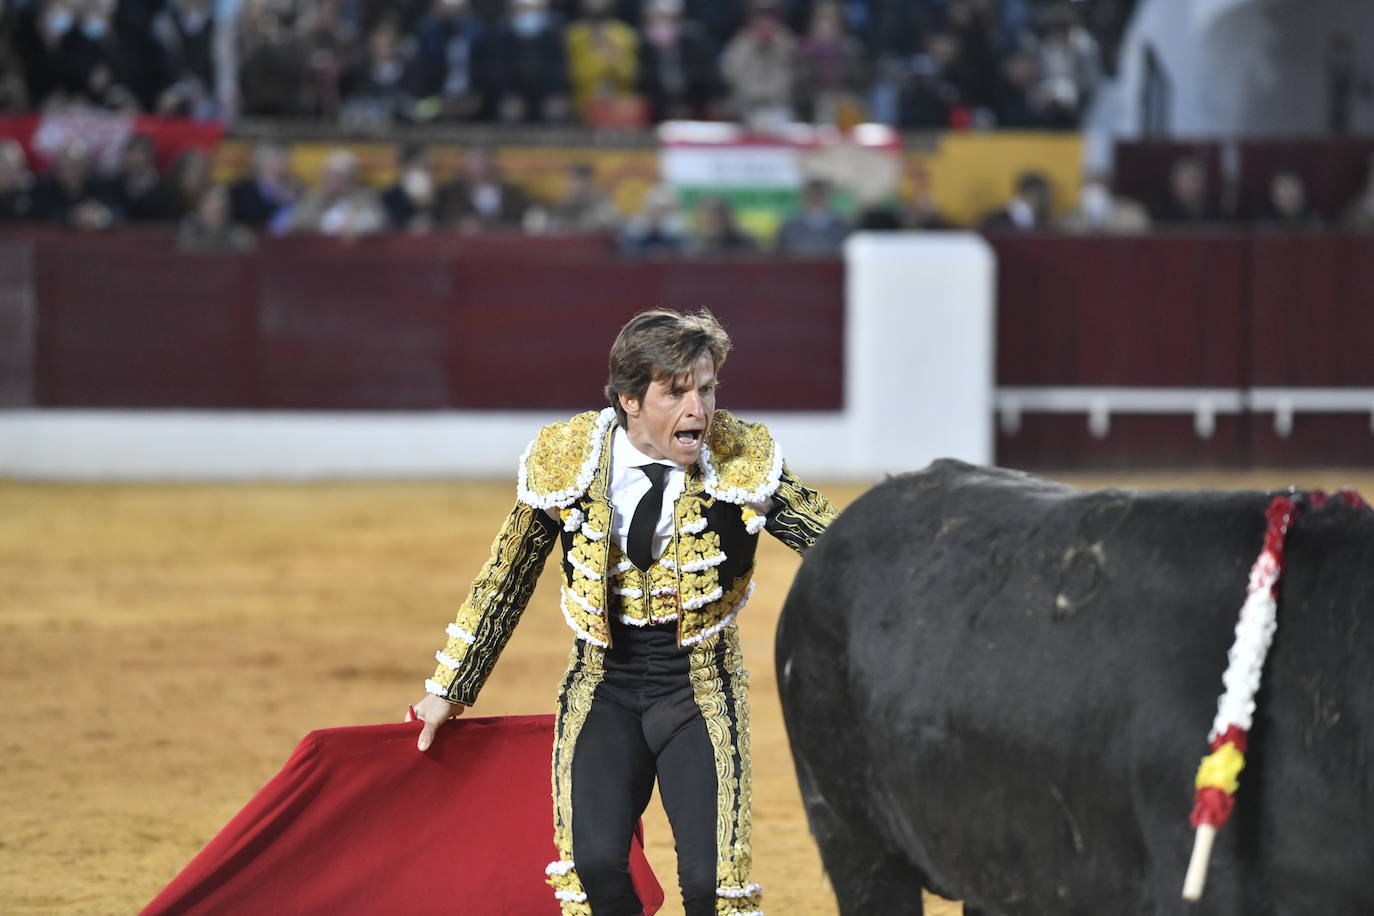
(644, 724)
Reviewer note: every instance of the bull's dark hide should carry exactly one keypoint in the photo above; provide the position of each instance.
(999, 688)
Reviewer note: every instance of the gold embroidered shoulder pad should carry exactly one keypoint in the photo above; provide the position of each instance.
(559, 464)
(740, 461)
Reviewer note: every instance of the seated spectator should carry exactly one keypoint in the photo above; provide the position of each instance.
(71, 55)
(602, 59)
(342, 206)
(677, 69)
(522, 66)
(16, 184)
(412, 202)
(187, 180)
(974, 25)
(585, 207)
(137, 192)
(378, 90)
(816, 230)
(879, 218)
(1029, 208)
(69, 194)
(272, 60)
(1188, 200)
(443, 64)
(658, 228)
(831, 74)
(1100, 211)
(760, 68)
(718, 234)
(1358, 214)
(265, 198)
(480, 199)
(14, 94)
(1286, 207)
(923, 213)
(330, 44)
(927, 93)
(184, 33)
(1070, 69)
(208, 228)
(1020, 103)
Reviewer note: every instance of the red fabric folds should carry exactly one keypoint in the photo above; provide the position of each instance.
(360, 822)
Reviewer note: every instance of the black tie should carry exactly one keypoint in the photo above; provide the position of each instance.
(640, 542)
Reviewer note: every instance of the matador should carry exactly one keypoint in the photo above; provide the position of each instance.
(658, 501)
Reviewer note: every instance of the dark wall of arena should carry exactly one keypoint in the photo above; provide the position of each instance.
(506, 323)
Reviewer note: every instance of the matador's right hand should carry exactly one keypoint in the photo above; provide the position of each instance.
(434, 711)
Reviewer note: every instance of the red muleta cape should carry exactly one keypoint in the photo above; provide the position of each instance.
(360, 822)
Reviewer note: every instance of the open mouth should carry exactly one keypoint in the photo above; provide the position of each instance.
(688, 438)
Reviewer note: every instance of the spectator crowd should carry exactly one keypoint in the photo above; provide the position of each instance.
(910, 63)
(479, 198)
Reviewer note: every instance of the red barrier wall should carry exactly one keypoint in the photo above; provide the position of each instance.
(504, 323)
(1236, 311)
(400, 323)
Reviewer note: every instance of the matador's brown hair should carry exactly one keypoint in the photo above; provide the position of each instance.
(661, 343)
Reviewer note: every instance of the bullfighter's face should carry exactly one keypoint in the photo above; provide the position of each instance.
(672, 419)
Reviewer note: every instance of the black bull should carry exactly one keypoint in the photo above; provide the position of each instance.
(999, 688)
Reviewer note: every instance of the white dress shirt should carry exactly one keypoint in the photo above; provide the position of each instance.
(629, 484)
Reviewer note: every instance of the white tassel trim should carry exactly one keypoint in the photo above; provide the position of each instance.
(749, 890)
(705, 563)
(755, 524)
(581, 633)
(448, 661)
(574, 520)
(582, 602)
(456, 632)
(583, 568)
(592, 534)
(559, 867)
(1254, 634)
(620, 567)
(692, 604)
(571, 896)
(563, 498)
(695, 527)
(629, 592)
(724, 622)
(668, 562)
(664, 590)
(436, 688)
(739, 495)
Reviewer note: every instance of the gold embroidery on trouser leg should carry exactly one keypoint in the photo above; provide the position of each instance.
(720, 685)
(585, 671)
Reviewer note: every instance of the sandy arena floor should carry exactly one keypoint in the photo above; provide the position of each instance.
(164, 647)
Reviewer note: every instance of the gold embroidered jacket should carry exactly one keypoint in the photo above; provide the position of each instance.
(702, 580)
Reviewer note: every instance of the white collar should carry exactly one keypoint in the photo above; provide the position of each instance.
(624, 455)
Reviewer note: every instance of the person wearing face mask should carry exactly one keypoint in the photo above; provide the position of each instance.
(658, 501)
(602, 58)
(411, 202)
(761, 66)
(1100, 211)
(521, 67)
(184, 31)
(70, 51)
(678, 74)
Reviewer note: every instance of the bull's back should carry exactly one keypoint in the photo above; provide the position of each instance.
(1025, 673)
